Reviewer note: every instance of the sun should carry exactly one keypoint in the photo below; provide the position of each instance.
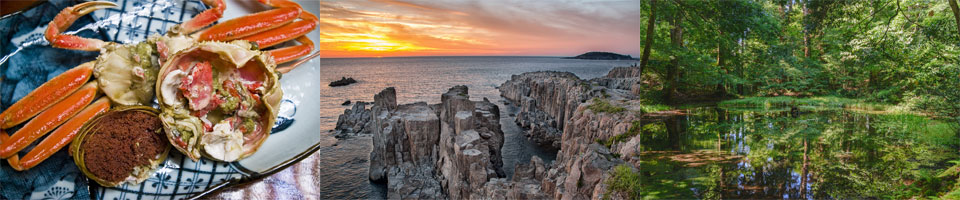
(374, 43)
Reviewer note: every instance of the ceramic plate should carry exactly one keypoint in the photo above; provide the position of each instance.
(293, 139)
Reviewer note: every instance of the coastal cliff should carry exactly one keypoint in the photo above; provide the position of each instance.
(598, 123)
(546, 101)
(447, 150)
(452, 150)
(622, 78)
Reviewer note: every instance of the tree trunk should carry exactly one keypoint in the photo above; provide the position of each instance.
(646, 47)
(806, 33)
(721, 90)
(956, 13)
(676, 37)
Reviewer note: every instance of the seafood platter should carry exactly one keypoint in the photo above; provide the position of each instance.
(175, 115)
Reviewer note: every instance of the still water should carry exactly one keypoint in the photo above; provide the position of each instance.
(717, 153)
(344, 166)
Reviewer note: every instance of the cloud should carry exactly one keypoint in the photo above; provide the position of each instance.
(507, 27)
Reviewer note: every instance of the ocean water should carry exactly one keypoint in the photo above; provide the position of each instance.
(344, 165)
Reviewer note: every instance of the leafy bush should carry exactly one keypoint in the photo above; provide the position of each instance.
(602, 106)
(625, 181)
(634, 130)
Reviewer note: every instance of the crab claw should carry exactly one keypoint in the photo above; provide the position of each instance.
(66, 18)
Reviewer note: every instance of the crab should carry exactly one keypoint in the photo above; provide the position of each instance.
(218, 100)
(127, 74)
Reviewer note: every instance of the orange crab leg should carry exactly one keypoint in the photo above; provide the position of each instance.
(250, 24)
(284, 33)
(289, 4)
(63, 135)
(287, 54)
(206, 17)
(65, 18)
(13, 160)
(48, 119)
(46, 95)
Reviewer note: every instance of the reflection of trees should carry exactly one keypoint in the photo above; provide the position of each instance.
(826, 154)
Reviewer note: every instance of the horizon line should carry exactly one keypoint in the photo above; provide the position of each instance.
(321, 56)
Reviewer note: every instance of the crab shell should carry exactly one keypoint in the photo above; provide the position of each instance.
(175, 115)
(126, 73)
(139, 174)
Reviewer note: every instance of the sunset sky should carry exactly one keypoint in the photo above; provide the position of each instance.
(385, 28)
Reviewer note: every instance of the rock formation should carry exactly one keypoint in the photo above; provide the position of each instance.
(447, 150)
(622, 78)
(546, 101)
(451, 150)
(560, 101)
(342, 82)
(602, 56)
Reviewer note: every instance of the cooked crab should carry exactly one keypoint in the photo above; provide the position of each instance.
(219, 100)
(127, 73)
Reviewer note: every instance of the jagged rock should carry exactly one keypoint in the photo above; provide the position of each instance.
(470, 142)
(346, 103)
(422, 151)
(386, 99)
(622, 78)
(546, 100)
(452, 149)
(357, 120)
(343, 82)
(353, 120)
(554, 107)
(624, 72)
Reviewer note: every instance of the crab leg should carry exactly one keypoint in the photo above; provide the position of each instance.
(268, 38)
(46, 95)
(63, 135)
(206, 17)
(250, 24)
(13, 160)
(281, 34)
(48, 119)
(287, 54)
(290, 4)
(63, 21)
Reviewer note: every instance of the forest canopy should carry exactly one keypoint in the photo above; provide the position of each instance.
(901, 52)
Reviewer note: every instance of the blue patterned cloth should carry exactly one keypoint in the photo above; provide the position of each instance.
(133, 21)
(58, 177)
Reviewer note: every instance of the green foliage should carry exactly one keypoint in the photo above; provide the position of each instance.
(786, 101)
(634, 130)
(603, 106)
(649, 108)
(624, 180)
(891, 52)
(851, 154)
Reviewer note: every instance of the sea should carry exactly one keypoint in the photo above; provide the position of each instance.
(344, 163)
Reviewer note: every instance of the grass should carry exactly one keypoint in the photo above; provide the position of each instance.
(634, 130)
(649, 108)
(625, 181)
(786, 101)
(815, 103)
(603, 106)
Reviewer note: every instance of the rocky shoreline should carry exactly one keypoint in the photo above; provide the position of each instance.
(451, 150)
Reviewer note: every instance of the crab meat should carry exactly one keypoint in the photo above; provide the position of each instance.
(225, 142)
(197, 87)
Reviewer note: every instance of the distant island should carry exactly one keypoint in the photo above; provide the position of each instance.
(602, 56)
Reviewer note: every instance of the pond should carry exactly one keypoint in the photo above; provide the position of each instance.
(714, 153)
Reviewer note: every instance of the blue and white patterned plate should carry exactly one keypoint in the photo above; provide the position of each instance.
(29, 61)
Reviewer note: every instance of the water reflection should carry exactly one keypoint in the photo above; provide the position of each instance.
(716, 153)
